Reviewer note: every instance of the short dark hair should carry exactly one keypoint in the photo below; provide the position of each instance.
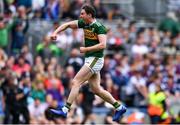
(89, 10)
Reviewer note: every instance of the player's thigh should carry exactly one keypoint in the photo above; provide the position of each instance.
(94, 81)
(83, 75)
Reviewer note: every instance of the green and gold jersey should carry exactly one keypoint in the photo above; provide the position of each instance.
(91, 32)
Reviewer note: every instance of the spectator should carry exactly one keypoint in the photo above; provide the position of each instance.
(37, 110)
(10, 7)
(51, 10)
(157, 107)
(25, 88)
(75, 8)
(26, 53)
(4, 34)
(39, 92)
(39, 66)
(3, 59)
(15, 99)
(26, 3)
(1, 7)
(116, 39)
(10, 62)
(19, 29)
(115, 13)
(37, 4)
(170, 86)
(100, 9)
(140, 90)
(21, 66)
(37, 15)
(132, 31)
(140, 47)
(8, 87)
(154, 45)
(172, 48)
(65, 9)
(170, 24)
(117, 73)
(54, 86)
(75, 60)
(46, 49)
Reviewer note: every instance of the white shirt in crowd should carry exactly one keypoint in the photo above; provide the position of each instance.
(140, 49)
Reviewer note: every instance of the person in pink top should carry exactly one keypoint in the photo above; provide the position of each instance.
(21, 66)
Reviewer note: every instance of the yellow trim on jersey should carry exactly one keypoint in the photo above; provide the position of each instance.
(90, 35)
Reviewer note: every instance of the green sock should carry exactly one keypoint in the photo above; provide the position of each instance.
(116, 105)
(68, 105)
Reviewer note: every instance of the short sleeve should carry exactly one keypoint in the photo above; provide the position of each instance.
(81, 23)
(101, 30)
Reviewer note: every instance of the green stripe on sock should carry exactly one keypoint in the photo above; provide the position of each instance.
(68, 105)
(116, 105)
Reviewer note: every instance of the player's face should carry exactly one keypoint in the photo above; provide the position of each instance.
(84, 15)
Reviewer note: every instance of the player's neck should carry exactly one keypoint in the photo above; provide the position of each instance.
(91, 21)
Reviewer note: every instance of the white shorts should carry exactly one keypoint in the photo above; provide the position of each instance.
(94, 63)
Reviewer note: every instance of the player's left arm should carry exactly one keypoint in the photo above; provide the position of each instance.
(101, 45)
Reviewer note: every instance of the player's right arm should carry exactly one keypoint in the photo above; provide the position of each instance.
(71, 24)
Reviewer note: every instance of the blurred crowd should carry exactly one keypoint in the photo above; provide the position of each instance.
(141, 69)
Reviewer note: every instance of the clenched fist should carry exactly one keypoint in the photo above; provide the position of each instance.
(83, 50)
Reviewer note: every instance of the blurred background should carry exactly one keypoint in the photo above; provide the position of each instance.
(142, 61)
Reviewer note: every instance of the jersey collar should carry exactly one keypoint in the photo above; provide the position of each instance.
(92, 22)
